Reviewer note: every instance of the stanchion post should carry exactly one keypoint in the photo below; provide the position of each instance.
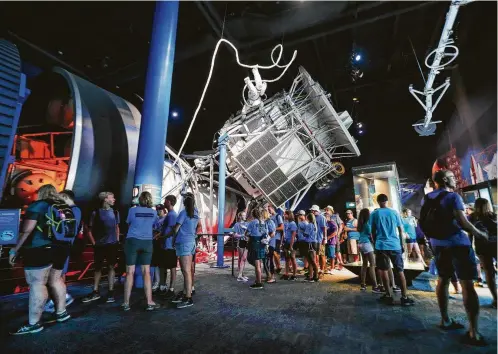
(222, 145)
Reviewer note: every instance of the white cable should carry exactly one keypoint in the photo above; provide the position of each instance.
(265, 67)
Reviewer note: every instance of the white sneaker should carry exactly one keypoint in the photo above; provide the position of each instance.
(246, 278)
(330, 272)
(69, 300)
(241, 279)
(155, 286)
(49, 307)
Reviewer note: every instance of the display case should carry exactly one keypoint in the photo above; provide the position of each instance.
(372, 180)
(486, 190)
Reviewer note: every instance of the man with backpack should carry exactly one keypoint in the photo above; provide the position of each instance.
(68, 197)
(443, 221)
(46, 234)
(103, 232)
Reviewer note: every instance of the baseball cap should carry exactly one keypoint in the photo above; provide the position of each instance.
(301, 212)
(315, 208)
(160, 207)
(329, 207)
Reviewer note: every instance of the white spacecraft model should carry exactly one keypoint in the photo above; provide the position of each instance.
(278, 148)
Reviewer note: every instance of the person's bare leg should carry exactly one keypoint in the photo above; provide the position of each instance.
(276, 257)
(96, 280)
(57, 289)
(419, 254)
(489, 269)
(371, 259)
(243, 261)
(391, 278)
(363, 274)
(385, 279)
(163, 276)
(471, 304)
(332, 264)
(37, 280)
(186, 266)
(442, 298)
(130, 274)
(294, 264)
(172, 278)
(257, 269)
(111, 277)
(147, 284)
(402, 279)
(287, 262)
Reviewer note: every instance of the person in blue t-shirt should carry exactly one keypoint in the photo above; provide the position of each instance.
(276, 241)
(367, 251)
(103, 232)
(290, 245)
(169, 260)
(387, 231)
(257, 231)
(268, 262)
(454, 253)
(321, 224)
(311, 237)
(156, 246)
(331, 240)
(185, 245)
(303, 246)
(353, 235)
(138, 248)
(42, 263)
(240, 228)
(410, 228)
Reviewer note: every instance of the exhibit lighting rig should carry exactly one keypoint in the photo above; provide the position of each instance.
(445, 49)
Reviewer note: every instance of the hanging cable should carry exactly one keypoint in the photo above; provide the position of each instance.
(416, 58)
(275, 64)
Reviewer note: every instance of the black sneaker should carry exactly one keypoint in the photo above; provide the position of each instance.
(386, 299)
(152, 307)
(178, 298)
(169, 294)
(284, 277)
(316, 280)
(186, 302)
(396, 289)
(308, 280)
(382, 289)
(126, 307)
(406, 301)
(192, 292)
(27, 329)
(256, 286)
(378, 290)
(95, 295)
(278, 270)
(59, 317)
(363, 287)
(110, 297)
(292, 278)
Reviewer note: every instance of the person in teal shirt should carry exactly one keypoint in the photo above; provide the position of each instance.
(367, 251)
(409, 226)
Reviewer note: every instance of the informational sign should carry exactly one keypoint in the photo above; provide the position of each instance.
(9, 226)
(350, 205)
(154, 190)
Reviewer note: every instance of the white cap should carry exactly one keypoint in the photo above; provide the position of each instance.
(315, 208)
(301, 212)
(329, 207)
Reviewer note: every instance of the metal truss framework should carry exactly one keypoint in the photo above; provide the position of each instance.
(283, 148)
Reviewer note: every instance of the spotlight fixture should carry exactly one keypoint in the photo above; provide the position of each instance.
(359, 125)
(174, 114)
(355, 99)
(60, 52)
(357, 57)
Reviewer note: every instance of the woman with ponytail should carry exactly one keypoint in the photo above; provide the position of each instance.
(239, 233)
(257, 230)
(184, 243)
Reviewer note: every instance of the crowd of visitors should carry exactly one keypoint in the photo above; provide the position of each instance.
(159, 237)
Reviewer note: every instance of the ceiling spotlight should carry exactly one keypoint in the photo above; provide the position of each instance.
(174, 114)
(360, 132)
(60, 52)
(357, 57)
(360, 125)
(355, 99)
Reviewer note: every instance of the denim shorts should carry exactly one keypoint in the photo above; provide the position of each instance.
(138, 252)
(365, 247)
(458, 259)
(382, 259)
(330, 251)
(185, 249)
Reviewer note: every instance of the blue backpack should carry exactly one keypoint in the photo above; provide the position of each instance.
(60, 222)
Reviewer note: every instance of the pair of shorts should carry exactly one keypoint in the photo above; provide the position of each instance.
(138, 252)
(330, 251)
(321, 249)
(352, 246)
(242, 244)
(383, 260)
(169, 260)
(185, 249)
(344, 247)
(108, 252)
(365, 247)
(421, 241)
(278, 244)
(37, 257)
(156, 253)
(410, 240)
(257, 251)
(457, 259)
(303, 248)
(288, 251)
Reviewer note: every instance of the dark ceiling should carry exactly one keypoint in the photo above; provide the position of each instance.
(107, 42)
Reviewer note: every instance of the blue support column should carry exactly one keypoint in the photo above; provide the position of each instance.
(222, 144)
(153, 128)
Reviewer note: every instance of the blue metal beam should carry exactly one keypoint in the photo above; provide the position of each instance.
(153, 129)
(222, 144)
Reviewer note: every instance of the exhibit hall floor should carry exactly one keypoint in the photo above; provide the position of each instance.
(332, 316)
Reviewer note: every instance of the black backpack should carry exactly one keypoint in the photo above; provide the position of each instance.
(98, 227)
(60, 222)
(436, 221)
